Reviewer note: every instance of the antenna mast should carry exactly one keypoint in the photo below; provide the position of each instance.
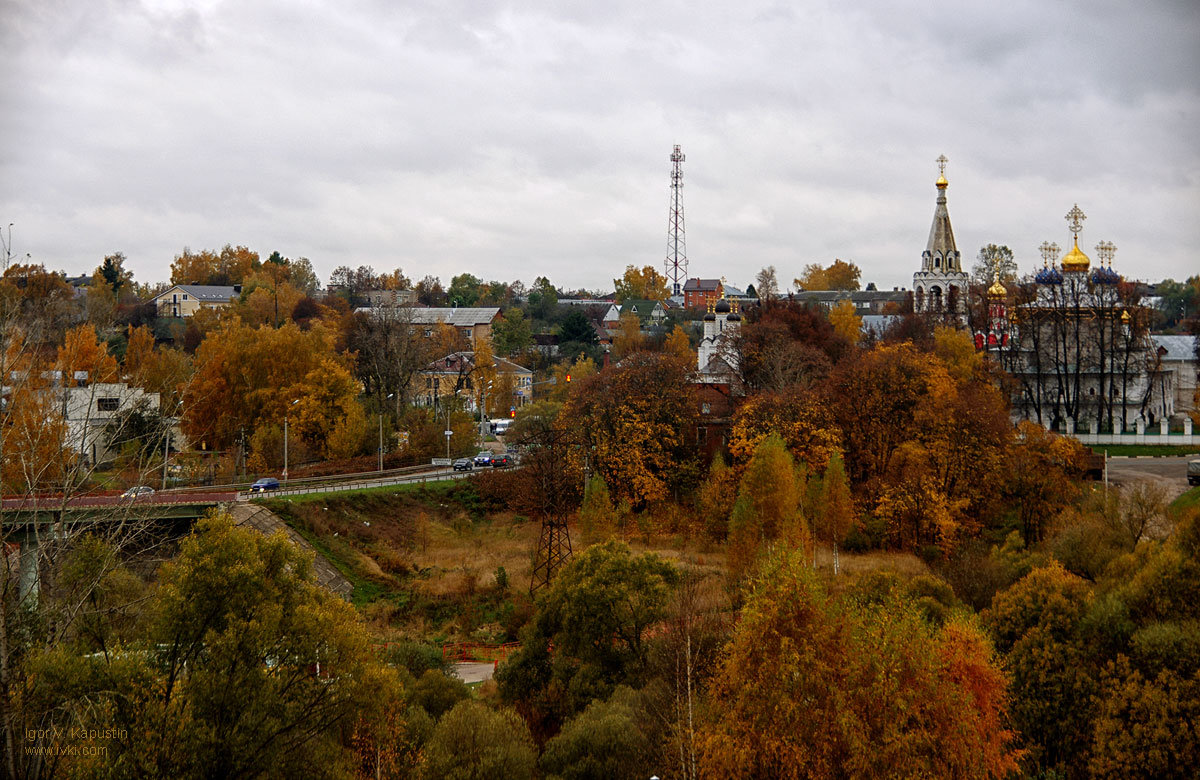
(676, 264)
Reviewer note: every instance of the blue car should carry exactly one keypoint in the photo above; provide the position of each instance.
(265, 484)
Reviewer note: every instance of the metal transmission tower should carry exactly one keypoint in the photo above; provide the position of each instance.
(676, 244)
(552, 491)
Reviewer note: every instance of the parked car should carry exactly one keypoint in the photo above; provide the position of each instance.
(502, 461)
(483, 459)
(464, 464)
(138, 490)
(1193, 472)
(265, 484)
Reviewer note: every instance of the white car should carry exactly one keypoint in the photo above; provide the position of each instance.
(139, 490)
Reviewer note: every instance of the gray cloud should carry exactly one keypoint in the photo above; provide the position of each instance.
(527, 139)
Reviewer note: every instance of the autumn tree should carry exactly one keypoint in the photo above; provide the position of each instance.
(634, 420)
(84, 359)
(787, 343)
(388, 352)
(845, 320)
(836, 513)
(1039, 476)
(715, 498)
(247, 377)
(596, 512)
(641, 284)
(629, 337)
(542, 300)
(767, 507)
(231, 266)
(678, 344)
(838, 275)
(812, 686)
(801, 418)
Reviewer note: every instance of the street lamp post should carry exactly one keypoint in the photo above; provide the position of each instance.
(286, 412)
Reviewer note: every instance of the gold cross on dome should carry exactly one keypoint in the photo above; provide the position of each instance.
(941, 161)
(1075, 218)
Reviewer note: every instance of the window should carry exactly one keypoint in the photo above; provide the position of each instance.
(428, 333)
(467, 332)
(108, 404)
(185, 296)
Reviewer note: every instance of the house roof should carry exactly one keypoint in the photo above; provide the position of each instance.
(642, 307)
(210, 293)
(692, 285)
(1181, 348)
(462, 317)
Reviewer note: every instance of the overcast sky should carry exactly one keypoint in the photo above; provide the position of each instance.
(526, 139)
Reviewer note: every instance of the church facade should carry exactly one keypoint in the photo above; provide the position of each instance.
(941, 284)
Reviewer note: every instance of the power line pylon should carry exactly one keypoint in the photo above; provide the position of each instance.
(552, 491)
(677, 263)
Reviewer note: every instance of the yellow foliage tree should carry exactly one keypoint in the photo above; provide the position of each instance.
(629, 338)
(846, 322)
(678, 344)
(641, 284)
(767, 507)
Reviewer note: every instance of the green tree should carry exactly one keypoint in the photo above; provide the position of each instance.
(1037, 625)
(543, 300)
(589, 633)
(602, 742)
(577, 329)
(474, 743)
(715, 498)
(464, 290)
(511, 333)
(596, 513)
(247, 667)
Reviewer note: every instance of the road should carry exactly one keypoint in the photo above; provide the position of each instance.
(1169, 472)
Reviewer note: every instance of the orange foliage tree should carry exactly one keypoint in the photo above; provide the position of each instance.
(82, 353)
(813, 686)
(248, 377)
(800, 418)
(635, 420)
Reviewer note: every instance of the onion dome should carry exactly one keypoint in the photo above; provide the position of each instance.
(997, 290)
(942, 183)
(708, 315)
(1125, 318)
(733, 317)
(1105, 275)
(1048, 275)
(722, 306)
(1076, 260)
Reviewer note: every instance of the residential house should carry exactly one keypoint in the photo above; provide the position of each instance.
(184, 300)
(702, 293)
(1177, 357)
(454, 376)
(472, 323)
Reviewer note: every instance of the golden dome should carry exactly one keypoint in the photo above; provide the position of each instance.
(1125, 318)
(1075, 260)
(997, 290)
(942, 183)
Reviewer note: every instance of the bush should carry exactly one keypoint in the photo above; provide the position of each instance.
(438, 692)
(416, 657)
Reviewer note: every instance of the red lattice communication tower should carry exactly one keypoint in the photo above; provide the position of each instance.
(676, 244)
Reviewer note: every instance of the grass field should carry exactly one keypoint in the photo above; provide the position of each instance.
(1188, 500)
(433, 562)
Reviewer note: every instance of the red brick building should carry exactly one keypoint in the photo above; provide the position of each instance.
(699, 293)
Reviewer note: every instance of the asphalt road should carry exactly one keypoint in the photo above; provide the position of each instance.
(1169, 472)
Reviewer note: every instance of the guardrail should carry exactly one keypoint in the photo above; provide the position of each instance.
(342, 487)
